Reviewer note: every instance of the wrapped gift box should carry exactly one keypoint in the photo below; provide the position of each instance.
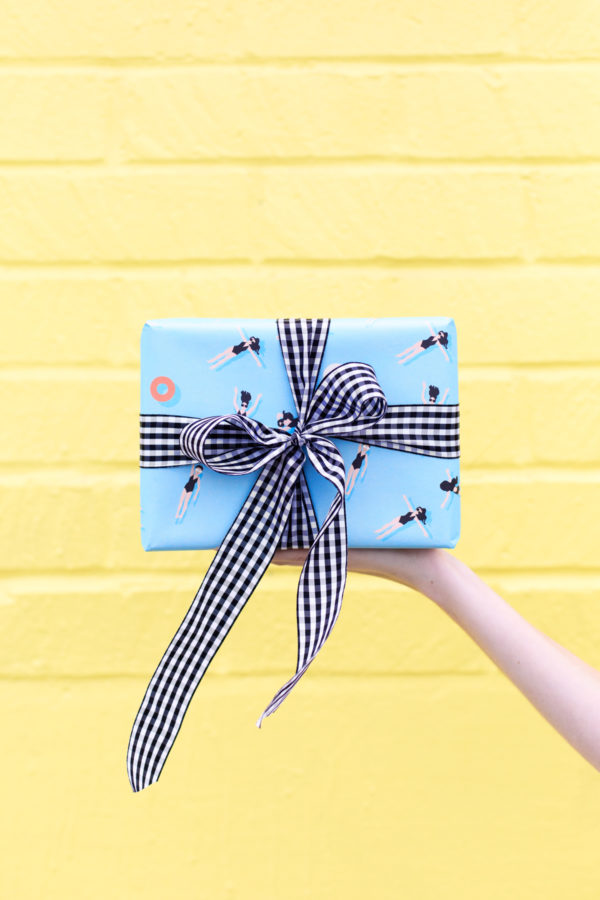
(376, 414)
(197, 367)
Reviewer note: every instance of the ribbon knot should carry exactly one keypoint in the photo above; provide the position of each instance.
(348, 398)
(298, 438)
(347, 403)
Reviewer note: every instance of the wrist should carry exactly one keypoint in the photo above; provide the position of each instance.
(418, 569)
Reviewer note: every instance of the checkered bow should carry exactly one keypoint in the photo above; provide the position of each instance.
(347, 403)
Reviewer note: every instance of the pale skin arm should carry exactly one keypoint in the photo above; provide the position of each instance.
(560, 685)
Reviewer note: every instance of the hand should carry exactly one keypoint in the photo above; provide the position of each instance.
(413, 567)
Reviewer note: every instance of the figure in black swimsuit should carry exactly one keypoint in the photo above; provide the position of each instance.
(434, 393)
(440, 340)
(418, 515)
(245, 398)
(286, 422)
(451, 487)
(192, 482)
(251, 344)
(355, 467)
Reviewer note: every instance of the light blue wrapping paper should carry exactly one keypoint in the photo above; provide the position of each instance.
(180, 349)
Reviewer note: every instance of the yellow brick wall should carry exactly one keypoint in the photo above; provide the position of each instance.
(269, 159)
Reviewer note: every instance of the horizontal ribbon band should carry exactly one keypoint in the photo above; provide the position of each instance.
(348, 403)
(413, 427)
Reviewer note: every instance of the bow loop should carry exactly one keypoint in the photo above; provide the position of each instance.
(233, 444)
(348, 397)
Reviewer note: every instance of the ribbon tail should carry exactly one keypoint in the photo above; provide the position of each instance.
(323, 577)
(233, 574)
(302, 527)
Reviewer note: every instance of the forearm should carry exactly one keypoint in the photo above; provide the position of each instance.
(561, 686)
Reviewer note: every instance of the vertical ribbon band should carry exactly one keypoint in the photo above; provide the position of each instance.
(278, 513)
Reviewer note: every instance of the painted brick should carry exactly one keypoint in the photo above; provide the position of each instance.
(359, 212)
(565, 213)
(234, 30)
(230, 793)
(412, 112)
(529, 417)
(49, 116)
(71, 416)
(313, 212)
(337, 159)
(503, 315)
(384, 628)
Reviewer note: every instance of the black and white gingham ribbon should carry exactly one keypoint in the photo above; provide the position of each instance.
(348, 403)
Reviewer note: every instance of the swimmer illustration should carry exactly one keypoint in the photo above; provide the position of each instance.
(286, 422)
(245, 397)
(419, 515)
(439, 340)
(355, 466)
(451, 487)
(251, 344)
(192, 482)
(433, 394)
